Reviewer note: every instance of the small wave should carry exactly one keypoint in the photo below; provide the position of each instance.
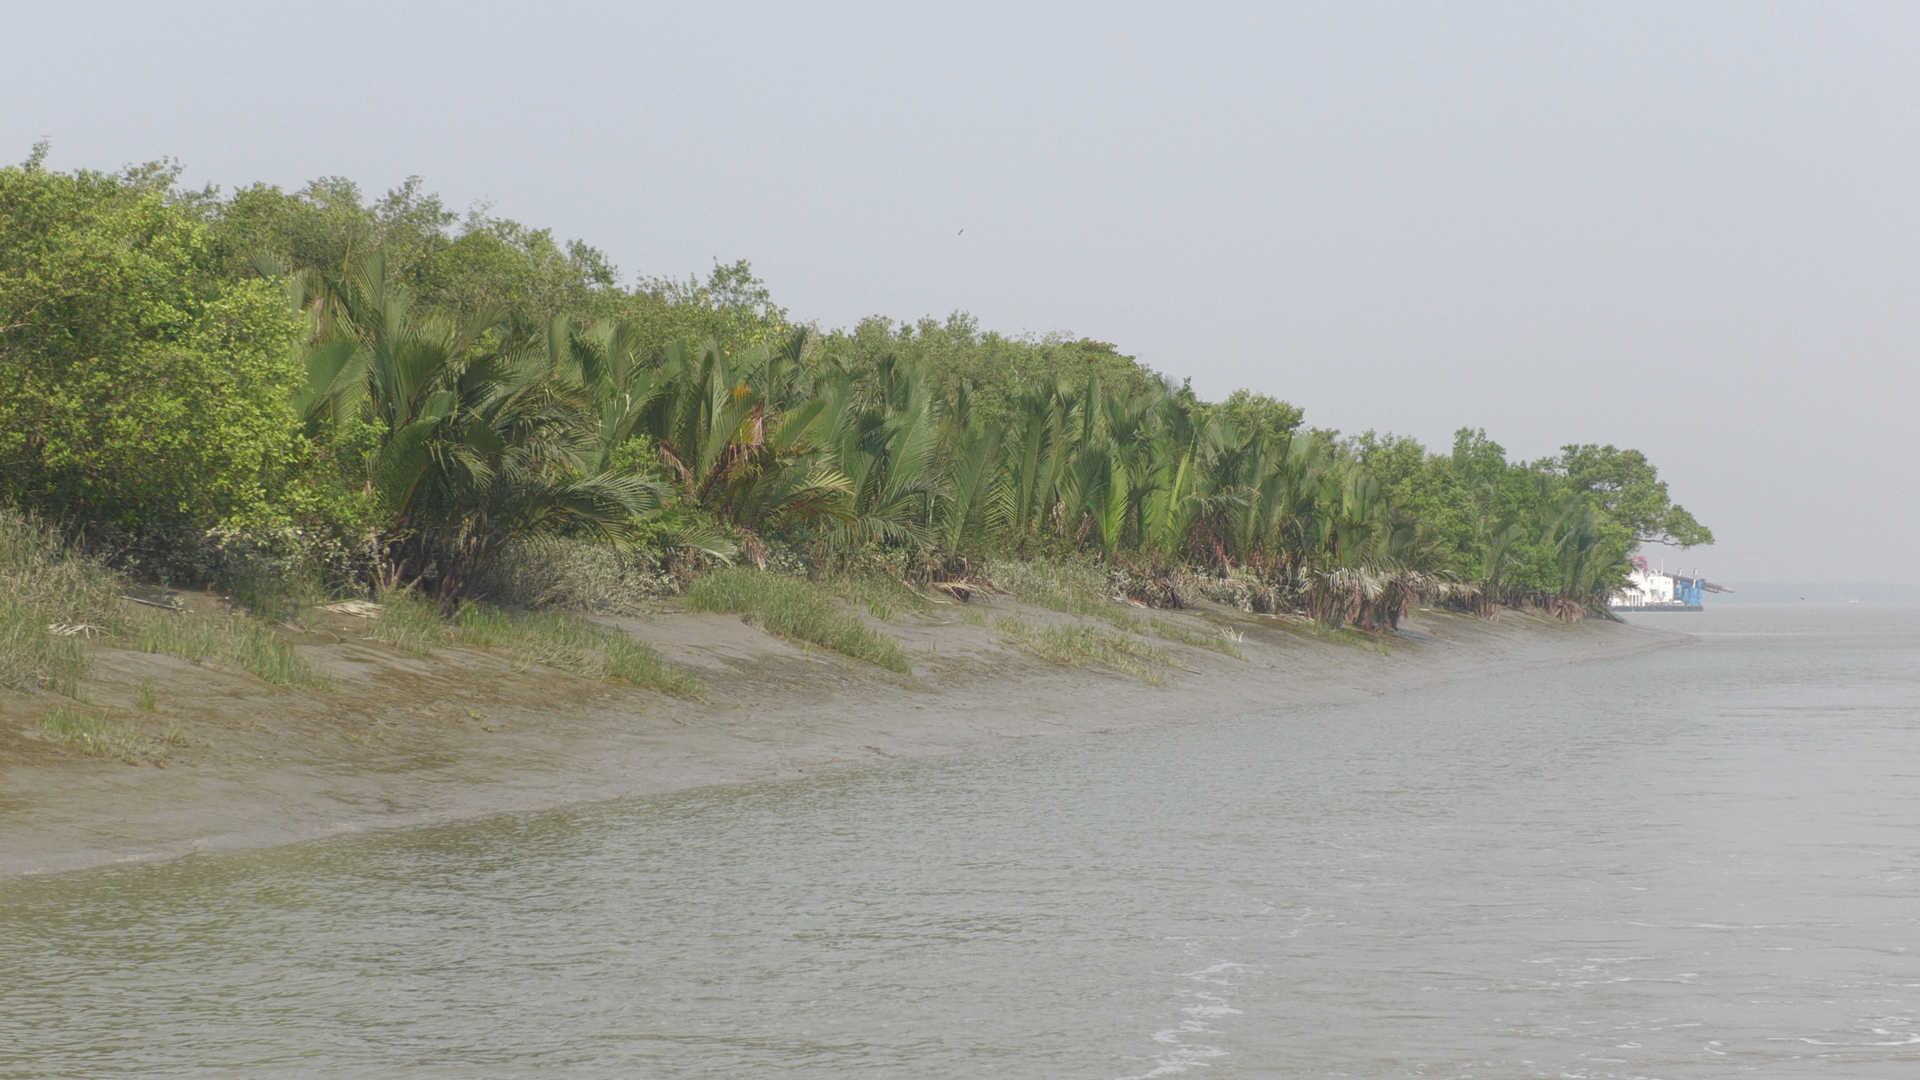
(1202, 1006)
(1910, 1039)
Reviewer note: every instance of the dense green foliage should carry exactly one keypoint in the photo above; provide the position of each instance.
(141, 385)
(1549, 533)
(957, 354)
(419, 390)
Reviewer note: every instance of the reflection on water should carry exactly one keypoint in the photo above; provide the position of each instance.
(1689, 864)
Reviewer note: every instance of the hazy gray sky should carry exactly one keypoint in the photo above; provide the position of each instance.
(1693, 229)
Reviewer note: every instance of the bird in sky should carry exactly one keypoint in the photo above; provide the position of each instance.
(961, 231)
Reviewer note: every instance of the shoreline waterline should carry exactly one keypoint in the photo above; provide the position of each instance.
(405, 743)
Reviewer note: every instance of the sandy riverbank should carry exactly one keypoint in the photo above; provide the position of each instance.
(403, 741)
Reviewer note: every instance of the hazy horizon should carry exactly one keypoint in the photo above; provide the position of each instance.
(1689, 231)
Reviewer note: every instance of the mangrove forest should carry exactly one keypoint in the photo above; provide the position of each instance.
(315, 390)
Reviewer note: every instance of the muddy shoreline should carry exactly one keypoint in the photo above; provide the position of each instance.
(465, 733)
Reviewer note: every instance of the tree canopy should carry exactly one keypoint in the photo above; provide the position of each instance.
(438, 384)
(142, 385)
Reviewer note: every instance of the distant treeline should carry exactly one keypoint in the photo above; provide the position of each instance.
(397, 392)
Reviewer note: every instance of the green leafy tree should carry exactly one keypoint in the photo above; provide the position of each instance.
(1628, 489)
(1255, 414)
(138, 387)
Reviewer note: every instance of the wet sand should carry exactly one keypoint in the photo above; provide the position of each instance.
(465, 733)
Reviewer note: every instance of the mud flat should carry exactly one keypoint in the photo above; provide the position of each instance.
(464, 733)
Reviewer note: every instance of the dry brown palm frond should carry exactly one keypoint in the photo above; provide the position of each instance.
(1370, 598)
(1151, 582)
(1460, 596)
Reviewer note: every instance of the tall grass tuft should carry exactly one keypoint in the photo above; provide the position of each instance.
(236, 639)
(33, 656)
(797, 609)
(631, 662)
(412, 624)
(1346, 635)
(39, 569)
(45, 583)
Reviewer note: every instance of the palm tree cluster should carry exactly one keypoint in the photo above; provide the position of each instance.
(473, 431)
(471, 437)
(443, 406)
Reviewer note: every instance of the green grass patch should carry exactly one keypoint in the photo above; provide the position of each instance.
(1077, 588)
(194, 638)
(631, 662)
(1087, 646)
(797, 609)
(412, 624)
(45, 582)
(541, 637)
(33, 656)
(547, 638)
(237, 639)
(99, 736)
(571, 644)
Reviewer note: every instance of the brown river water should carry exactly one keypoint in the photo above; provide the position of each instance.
(1697, 862)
